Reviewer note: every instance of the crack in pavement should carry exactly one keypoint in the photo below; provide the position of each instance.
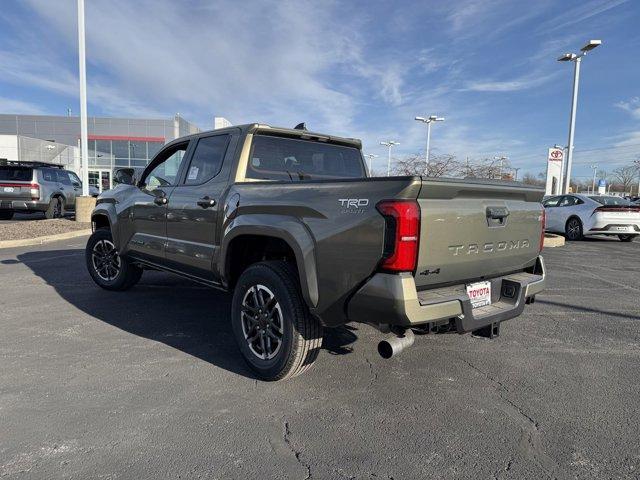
(374, 374)
(530, 444)
(285, 436)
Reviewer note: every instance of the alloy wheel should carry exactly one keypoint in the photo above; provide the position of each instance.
(105, 260)
(262, 322)
(573, 229)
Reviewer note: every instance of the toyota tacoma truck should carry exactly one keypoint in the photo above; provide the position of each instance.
(291, 223)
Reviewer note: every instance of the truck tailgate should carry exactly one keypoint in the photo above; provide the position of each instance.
(473, 229)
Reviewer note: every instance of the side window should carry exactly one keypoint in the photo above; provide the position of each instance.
(551, 202)
(49, 175)
(63, 177)
(74, 179)
(164, 172)
(568, 201)
(207, 158)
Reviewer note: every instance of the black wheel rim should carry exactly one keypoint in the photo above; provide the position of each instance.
(105, 260)
(573, 229)
(57, 209)
(262, 322)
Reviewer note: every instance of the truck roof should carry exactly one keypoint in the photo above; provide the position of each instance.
(250, 128)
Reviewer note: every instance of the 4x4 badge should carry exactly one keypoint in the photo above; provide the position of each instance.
(430, 272)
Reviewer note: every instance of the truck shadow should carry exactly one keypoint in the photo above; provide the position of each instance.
(162, 307)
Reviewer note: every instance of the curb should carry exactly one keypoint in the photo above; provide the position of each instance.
(40, 240)
(551, 240)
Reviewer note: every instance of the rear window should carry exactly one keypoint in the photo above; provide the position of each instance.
(605, 200)
(277, 158)
(16, 174)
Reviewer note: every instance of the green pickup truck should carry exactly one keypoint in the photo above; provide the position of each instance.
(289, 221)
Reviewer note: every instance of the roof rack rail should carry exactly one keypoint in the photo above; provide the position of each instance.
(21, 163)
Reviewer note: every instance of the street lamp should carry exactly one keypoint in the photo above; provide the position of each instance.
(515, 178)
(389, 144)
(370, 156)
(576, 58)
(637, 164)
(593, 184)
(502, 159)
(428, 121)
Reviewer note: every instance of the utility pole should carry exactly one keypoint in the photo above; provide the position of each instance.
(370, 156)
(389, 144)
(577, 59)
(428, 121)
(593, 183)
(84, 142)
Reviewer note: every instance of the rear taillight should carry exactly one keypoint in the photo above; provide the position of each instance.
(402, 234)
(621, 208)
(543, 224)
(35, 191)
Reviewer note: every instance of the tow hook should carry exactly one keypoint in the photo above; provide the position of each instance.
(395, 343)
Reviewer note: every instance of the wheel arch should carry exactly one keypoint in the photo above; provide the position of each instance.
(104, 216)
(254, 239)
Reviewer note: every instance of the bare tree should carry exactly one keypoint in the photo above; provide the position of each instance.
(439, 166)
(531, 179)
(488, 168)
(625, 176)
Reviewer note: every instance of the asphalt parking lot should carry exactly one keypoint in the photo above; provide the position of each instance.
(149, 384)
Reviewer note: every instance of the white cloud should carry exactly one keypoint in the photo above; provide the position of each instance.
(12, 105)
(632, 106)
(522, 83)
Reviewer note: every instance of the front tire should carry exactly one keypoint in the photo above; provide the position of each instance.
(6, 214)
(626, 238)
(107, 269)
(573, 229)
(275, 332)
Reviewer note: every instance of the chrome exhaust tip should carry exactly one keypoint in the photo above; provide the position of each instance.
(394, 344)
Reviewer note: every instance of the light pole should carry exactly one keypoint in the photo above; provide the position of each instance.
(84, 142)
(389, 144)
(577, 59)
(428, 121)
(370, 156)
(502, 159)
(593, 183)
(637, 164)
(515, 178)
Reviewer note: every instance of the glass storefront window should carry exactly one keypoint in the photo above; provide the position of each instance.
(103, 147)
(154, 147)
(138, 149)
(121, 162)
(92, 148)
(120, 148)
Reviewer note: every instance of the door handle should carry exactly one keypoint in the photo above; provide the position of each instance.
(206, 202)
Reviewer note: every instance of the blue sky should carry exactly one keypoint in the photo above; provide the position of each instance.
(361, 69)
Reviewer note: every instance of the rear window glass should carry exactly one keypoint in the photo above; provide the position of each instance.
(16, 174)
(605, 200)
(277, 158)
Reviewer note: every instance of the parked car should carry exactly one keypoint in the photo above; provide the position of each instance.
(288, 221)
(577, 215)
(29, 187)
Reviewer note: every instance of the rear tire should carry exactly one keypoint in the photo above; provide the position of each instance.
(108, 269)
(275, 332)
(573, 229)
(55, 209)
(6, 214)
(626, 238)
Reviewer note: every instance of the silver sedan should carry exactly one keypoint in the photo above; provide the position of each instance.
(577, 215)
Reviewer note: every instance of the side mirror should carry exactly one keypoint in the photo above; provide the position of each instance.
(126, 176)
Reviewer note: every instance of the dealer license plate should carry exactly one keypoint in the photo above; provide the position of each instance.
(8, 189)
(623, 229)
(479, 293)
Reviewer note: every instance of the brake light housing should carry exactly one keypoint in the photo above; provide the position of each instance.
(34, 189)
(543, 224)
(402, 235)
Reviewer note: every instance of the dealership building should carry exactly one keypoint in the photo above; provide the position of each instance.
(113, 142)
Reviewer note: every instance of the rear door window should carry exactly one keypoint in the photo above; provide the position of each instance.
(278, 158)
(551, 202)
(63, 177)
(16, 174)
(206, 160)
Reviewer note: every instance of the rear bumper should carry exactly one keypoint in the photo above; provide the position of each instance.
(614, 229)
(23, 205)
(393, 300)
